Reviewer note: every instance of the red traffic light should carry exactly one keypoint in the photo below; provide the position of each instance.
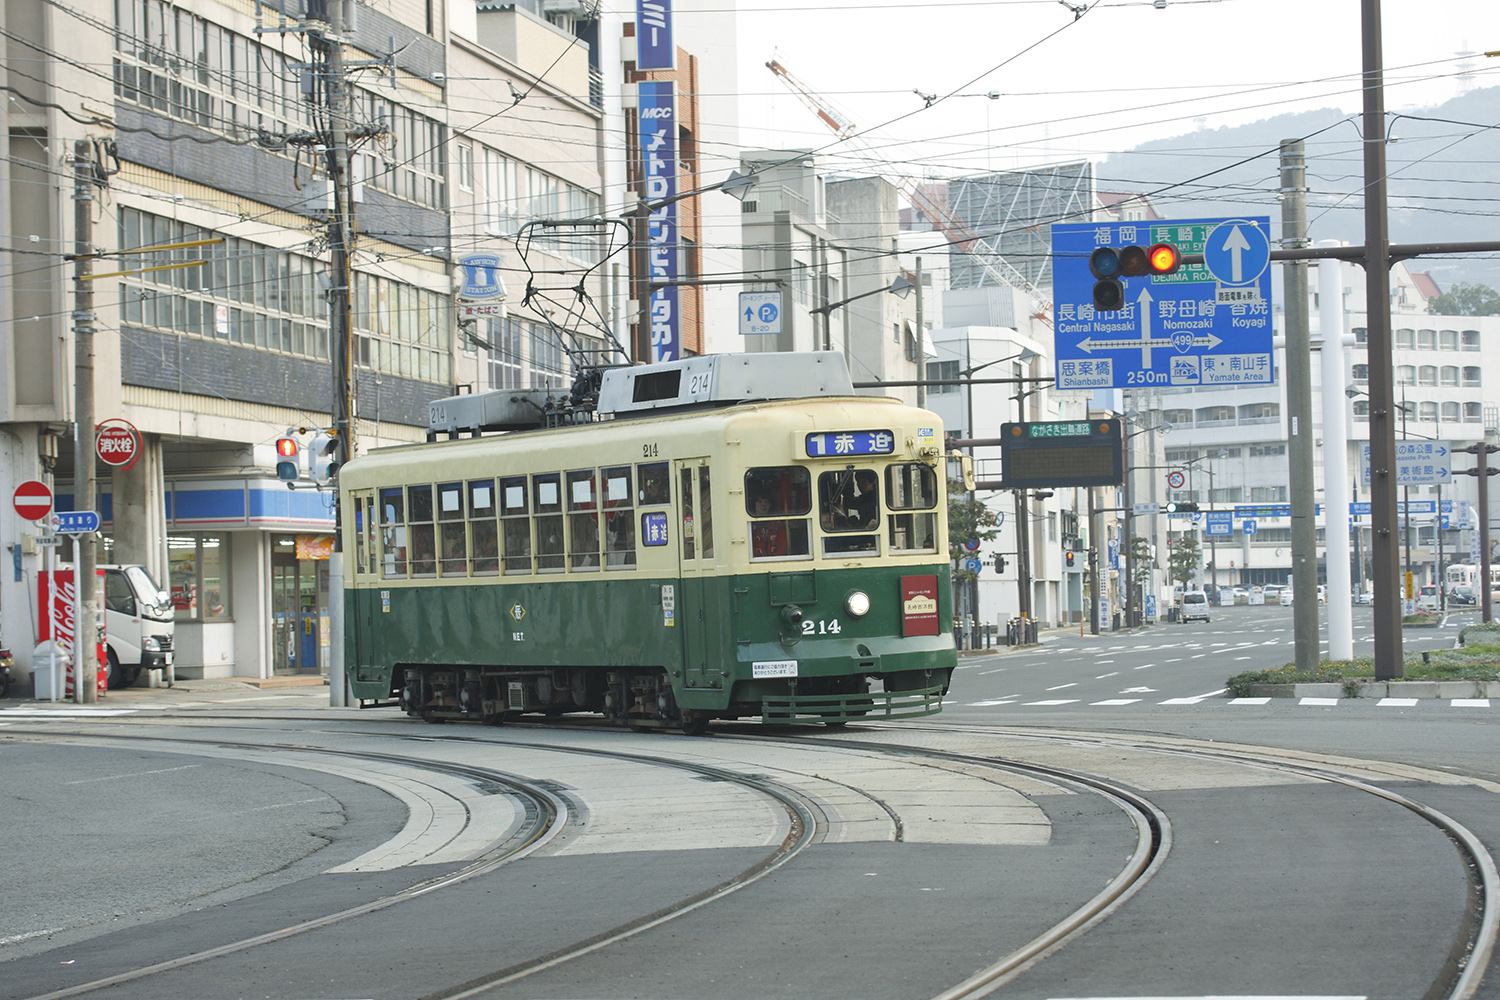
(1163, 258)
(287, 447)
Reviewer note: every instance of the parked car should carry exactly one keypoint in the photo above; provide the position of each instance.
(1272, 593)
(1461, 594)
(1364, 597)
(1427, 597)
(1286, 597)
(1241, 595)
(1322, 594)
(1194, 606)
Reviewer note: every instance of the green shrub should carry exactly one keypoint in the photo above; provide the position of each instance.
(1479, 662)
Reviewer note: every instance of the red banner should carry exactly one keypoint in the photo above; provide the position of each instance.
(919, 605)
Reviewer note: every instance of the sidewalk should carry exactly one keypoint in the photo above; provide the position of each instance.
(292, 691)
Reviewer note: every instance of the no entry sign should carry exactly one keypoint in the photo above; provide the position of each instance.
(33, 500)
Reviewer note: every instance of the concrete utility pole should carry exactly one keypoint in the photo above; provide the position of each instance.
(86, 625)
(1335, 461)
(1482, 451)
(1300, 447)
(340, 328)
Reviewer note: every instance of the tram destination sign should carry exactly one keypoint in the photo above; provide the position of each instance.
(1206, 324)
(1060, 454)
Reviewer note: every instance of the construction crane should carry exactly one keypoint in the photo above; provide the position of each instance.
(959, 233)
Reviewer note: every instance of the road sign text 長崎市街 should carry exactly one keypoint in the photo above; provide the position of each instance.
(1197, 326)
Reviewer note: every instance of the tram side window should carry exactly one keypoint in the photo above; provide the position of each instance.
(583, 521)
(546, 498)
(419, 523)
(778, 500)
(848, 502)
(515, 522)
(911, 489)
(371, 547)
(705, 514)
(360, 514)
(453, 541)
(619, 519)
(393, 532)
(655, 482)
(482, 531)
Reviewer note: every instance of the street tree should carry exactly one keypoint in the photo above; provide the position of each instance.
(1182, 565)
(967, 518)
(1465, 299)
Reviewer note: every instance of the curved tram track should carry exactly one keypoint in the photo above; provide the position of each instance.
(547, 816)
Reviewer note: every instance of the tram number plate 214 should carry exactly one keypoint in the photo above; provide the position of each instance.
(821, 627)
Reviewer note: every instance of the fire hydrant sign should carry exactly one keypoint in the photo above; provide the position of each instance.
(118, 444)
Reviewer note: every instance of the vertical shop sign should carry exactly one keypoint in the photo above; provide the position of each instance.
(653, 33)
(658, 131)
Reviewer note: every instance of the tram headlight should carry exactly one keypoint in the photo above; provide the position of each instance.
(857, 603)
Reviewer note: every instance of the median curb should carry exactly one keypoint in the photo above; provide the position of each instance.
(1381, 689)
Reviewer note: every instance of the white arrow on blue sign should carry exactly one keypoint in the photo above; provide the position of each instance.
(760, 313)
(1237, 252)
(1418, 463)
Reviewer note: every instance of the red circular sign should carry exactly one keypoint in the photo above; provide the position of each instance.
(118, 444)
(1175, 480)
(33, 500)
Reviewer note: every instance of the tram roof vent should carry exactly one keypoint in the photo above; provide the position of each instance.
(723, 380)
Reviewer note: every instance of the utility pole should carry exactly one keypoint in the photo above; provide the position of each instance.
(1300, 449)
(921, 347)
(1482, 451)
(1336, 515)
(341, 238)
(86, 624)
(1093, 566)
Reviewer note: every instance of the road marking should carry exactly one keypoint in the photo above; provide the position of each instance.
(1102, 662)
(1239, 658)
(1055, 701)
(1397, 702)
(988, 704)
(1318, 701)
(997, 670)
(1060, 687)
(1116, 701)
(1197, 656)
(1194, 700)
(1177, 659)
(1470, 703)
(136, 774)
(1249, 701)
(1112, 673)
(1139, 690)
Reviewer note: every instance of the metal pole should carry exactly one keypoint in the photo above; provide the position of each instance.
(1336, 516)
(86, 625)
(1300, 447)
(1437, 566)
(1129, 515)
(1487, 608)
(1389, 656)
(1406, 512)
(1093, 568)
(1213, 540)
(921, 346)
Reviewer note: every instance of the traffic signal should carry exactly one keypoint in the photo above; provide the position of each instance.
(1182, 507)
(1068, 558)
(288, 459)
(1109, 264)
(321, 463)
(999, 563)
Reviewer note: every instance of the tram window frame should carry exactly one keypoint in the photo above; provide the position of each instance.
(360, 518)
(843, 512)
(372, 535)
(909, 519)
(452, 530)
(705, 514)
(421, 530)
(583, 521)
(776, 533)
(654, 484)
(515, 526)
(547, 517)
(484, 533)
(618, 513)
(393, 533)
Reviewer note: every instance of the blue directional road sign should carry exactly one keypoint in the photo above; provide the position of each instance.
(1237, 252)
(1418, 463)
(760, 313)
(1187, 328)
(1220, 522)
(1248, 527)
(75, 522)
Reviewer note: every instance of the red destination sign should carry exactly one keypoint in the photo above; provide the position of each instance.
(33, 500)
(118, 443)
(919, 605)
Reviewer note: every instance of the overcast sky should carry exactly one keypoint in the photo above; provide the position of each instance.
(1120, 74)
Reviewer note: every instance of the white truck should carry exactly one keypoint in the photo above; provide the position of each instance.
(138, 624)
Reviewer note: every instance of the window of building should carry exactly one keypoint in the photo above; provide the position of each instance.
(1227, 494)
(506, 361)
(199, 577)
(1180, 454)
(1259, 412)
(1406, 375)
(1268, 494)
(1427, 412)
(1209, 414)
(1472, 377)
(1427, 375)
(1469, 340)
(1451, 413)
(1447, 340)
(1361, 374)
(1426, 340)
(1361, 335)
(1404, 339)
(942, 370)
(1362, 410)
(1473, 413)
(466, 166)
(1258, 450)
(1448, 375)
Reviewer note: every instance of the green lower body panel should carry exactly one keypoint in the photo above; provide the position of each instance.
(840, 708)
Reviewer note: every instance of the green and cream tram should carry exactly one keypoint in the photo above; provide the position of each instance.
(735, 535)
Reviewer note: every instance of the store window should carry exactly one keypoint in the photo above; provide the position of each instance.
(199, 576)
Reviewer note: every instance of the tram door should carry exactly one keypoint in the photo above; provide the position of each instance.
(366, 567)
(696, 616)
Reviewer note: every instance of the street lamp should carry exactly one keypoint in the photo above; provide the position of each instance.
(901, 288)
(1131, 600)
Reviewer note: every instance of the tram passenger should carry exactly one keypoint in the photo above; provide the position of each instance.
(767, 538)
